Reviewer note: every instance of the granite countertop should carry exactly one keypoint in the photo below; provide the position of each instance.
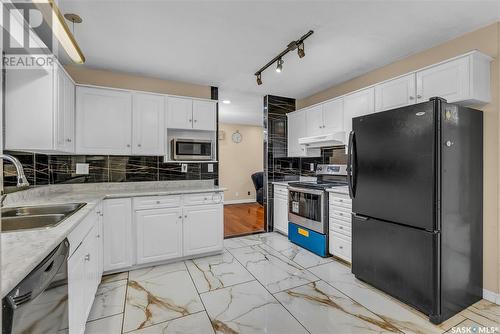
(282, 183)
(21, 251)
(339, 190)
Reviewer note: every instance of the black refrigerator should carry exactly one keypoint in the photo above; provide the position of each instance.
(416, 183)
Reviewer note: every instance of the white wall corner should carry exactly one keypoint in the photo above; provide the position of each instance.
(240, 201)
(491, 296)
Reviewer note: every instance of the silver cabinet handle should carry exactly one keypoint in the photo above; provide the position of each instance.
(205, 198)
(139, 145)
(411, 98)
(419, 96)
(87, 257)
(128, 145)
(341, 227)
(98, 236)
(68, 140)
(158, 202)
(195, 120)
(341, 247)
(180, 217)
(185, 216)
(190, 120)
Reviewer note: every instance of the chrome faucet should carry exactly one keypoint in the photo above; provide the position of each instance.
(22, 181)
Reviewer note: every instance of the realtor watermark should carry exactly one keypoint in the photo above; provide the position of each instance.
(474, 329)
(24, 29)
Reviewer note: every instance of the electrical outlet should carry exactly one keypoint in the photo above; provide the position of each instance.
(248, 193)
(210, 168)
(184, 168)
(82, 169)
(311, 167)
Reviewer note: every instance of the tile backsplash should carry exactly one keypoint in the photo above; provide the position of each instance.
(42, 169)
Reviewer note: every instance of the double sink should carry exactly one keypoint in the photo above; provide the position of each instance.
(36, 217)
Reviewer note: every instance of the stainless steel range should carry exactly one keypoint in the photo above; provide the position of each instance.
(308, 208)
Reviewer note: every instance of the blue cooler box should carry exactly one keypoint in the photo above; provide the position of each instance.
(308, 239)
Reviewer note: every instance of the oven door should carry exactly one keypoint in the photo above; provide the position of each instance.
(307, 208)
(192, 149)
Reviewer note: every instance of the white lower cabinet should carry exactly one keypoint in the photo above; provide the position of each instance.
(159, 234)
(340, 236)
(83, 275)
(117, 235)
(280, 210)
(203, 230)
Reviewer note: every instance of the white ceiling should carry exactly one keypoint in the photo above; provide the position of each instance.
(222, 43)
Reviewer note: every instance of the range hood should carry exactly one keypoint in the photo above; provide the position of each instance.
(330, 139)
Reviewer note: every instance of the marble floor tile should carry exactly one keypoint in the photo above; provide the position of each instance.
(218, 271)
(249, 240)
(248, 308)
(295, 253)
(158, 294)
(197, 323)
(274, 271)
(109, 300)
(323, 309)
(114, 277)
(484, 312)
(387, 308)
(109, 325)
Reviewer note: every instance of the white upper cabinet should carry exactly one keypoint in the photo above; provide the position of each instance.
(41, 100)
(358, 104)
(314, 121)
(179, 113)
(204, 115)
(333, 116)
(296, 128)
(103, 121)
(189, 114)
(463, 80)
(148, 121)
(395, 93)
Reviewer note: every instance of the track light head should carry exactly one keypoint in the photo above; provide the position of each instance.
(300, 50)
(259, 79)
(279, 67)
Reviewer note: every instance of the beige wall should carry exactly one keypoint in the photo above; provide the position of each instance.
(88, 76)
(238, 161)
(487, 41)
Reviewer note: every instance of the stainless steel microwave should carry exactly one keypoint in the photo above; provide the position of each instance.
(191, 149)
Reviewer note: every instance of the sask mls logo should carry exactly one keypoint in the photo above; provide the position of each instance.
(23, 23)
(474, 329)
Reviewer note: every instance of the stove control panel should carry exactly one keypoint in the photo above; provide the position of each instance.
(331, 170)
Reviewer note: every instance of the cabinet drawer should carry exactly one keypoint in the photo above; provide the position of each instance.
(340, 214)
(153, 202)
(340, 228)
(338, 200)
(280, 190)
(76, 236)
(203, 198)
(347, 224)
(340, 209)
(340, 246)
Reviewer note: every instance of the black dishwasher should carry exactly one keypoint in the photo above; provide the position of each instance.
(39, 304)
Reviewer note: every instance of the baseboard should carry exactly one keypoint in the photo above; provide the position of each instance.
(491, 296)
(240, 201)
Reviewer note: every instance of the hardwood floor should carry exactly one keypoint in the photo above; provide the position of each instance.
(243, 218)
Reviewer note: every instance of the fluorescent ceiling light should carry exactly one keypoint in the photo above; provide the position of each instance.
(226, 101)
(56, 21)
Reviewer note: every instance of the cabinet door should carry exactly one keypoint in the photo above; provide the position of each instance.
(103, 121)
(202, 229)
(314, 121)
(396, 93)
(179, 113)
(117, 236)
(99, 236)
(333, 116)
(204, 114)
(296, 129)
(280, 214)
(91, 269)
(76, 294)
(69, 113)
(148, 124)
(159, 234)
(449, 81)
(59, 109)
(357, 104)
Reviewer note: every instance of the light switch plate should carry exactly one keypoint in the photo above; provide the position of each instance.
(82, 169)
(184, 168)
(311, 167)
(165, 158)
(210, 168)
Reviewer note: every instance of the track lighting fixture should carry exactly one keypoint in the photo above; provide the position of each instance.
(259, 79)
(298, 44)
(279, 66)
(300, 50)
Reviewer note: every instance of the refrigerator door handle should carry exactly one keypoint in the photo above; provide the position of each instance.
(358, 217)
(350, 167)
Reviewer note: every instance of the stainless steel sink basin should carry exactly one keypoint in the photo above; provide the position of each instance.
(37, 217)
